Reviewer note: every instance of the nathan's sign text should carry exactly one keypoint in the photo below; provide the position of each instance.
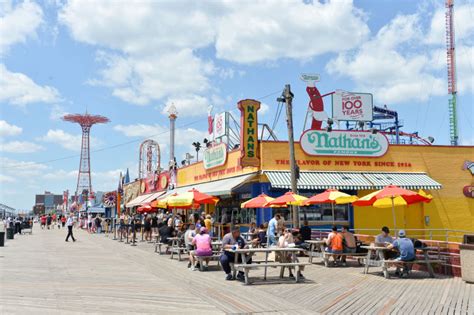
(343, 143)
(215, 156)
(249, 133)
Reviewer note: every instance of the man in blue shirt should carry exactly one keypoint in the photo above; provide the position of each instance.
(272, 229)
(406, 249)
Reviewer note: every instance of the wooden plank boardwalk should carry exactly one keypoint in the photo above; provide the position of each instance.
(43, 274)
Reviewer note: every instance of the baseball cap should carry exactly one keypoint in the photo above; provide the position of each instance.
(401, 233)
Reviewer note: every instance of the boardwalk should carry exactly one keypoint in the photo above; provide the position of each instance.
(43, 274)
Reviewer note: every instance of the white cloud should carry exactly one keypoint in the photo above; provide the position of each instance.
(263, 108)
(192, 105)
(60, 175)
(18, 23)
(388, 67)
(20, 147)
(183, 137)
(67, 140)
(465, 69)
(463, 25)
(156, 58)
(57, 112)
(6, 179)
(19, 89)
(262, 30)
(9, 130)
(14, 168)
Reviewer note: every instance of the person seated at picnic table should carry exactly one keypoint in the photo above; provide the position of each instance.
(261, 238)
(284, 241)
(188, 239)
(305, 231)
(334, 243)
(166, 232)
(202, 242)
(252, 230)
(384, 237)
(406, 251)
(232, 241)
(349, 243)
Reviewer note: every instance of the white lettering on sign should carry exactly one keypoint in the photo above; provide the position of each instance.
(344, 143)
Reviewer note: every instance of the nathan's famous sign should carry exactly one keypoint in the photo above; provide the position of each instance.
(215, 156)
(344, 143)
(249, 133)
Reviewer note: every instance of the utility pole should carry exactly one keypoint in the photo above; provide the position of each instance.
(287, 97)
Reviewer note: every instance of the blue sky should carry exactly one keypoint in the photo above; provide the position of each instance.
(130, 60)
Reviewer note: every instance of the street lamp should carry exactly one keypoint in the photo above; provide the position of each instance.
(197, 146)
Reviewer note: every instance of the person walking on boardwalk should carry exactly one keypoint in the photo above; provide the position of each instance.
(70, 224)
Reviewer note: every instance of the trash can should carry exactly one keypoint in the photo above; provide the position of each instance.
(10, 233)
(467, 258)
(2, 239)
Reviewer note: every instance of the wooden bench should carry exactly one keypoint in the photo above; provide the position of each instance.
(398, 263)
(246, 267)
(359, 256)
(158, 246)
(179, 251)
(213, 257)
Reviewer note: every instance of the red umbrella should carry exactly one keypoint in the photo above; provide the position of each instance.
(145, 208)
(289, 198)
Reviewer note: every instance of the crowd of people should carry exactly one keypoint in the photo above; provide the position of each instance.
(17, 223)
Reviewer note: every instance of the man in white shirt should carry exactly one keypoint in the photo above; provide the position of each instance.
(272, 229)
(70, 224)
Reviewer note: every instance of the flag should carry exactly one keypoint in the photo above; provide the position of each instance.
(126, 180)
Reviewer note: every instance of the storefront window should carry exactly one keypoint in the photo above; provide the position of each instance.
(323, 212)
(229, 211)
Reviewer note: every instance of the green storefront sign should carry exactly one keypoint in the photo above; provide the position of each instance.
(344, 143)
(215, 156)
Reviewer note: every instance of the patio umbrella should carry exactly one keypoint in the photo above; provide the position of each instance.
(287, 199)
(191, 198)
(332, 196)
(162, 203)
(145, 208)
(258, 202)
(391, 196)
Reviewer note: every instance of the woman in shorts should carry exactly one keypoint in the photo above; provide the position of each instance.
(202, 242)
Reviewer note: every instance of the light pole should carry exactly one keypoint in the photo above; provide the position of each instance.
(287, 97)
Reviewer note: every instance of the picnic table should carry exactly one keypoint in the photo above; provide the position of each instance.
(245, 266)
(314, 245)
(176, 247)
(385, 263)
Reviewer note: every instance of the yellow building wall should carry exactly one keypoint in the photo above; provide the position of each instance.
(195, 173)
(449, 209)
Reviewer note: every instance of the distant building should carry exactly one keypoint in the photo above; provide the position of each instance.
(47, 202)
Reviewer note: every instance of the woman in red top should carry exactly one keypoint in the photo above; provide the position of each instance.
(63, 220)
(43, 221)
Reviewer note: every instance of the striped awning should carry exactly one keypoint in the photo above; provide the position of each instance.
(404, 180)
(318, 180)
(141, 200)
(221, 187)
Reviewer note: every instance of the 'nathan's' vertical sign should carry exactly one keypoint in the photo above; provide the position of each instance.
(249, 133)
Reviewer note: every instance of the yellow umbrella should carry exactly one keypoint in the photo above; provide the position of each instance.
(288, 199)
(390, 197)
(191, 198)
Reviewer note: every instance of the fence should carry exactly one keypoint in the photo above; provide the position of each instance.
(446, 250)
